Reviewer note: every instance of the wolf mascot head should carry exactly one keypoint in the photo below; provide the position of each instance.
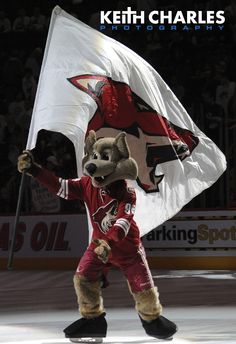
(108, 159)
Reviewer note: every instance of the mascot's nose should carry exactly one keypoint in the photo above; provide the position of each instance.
(91, 168)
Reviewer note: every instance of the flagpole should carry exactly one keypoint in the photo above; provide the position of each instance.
(16, 222)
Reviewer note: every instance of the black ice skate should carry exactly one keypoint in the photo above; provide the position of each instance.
(87, 330)
(160, 328)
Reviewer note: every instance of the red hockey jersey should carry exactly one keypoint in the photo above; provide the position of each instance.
(111, 209)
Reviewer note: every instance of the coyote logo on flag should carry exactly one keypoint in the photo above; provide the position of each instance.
(153, 140)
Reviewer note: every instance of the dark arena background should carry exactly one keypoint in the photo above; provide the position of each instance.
(196, 278)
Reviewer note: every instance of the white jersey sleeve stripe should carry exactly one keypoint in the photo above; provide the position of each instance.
(124, 224)
(64, 190)
(60, 190)
(67, 185)
(124, 229)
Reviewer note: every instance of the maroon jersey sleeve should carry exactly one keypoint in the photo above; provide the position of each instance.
(124, 217)
(65, 188)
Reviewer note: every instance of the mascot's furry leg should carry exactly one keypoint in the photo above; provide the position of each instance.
(89, 297)
(93, 324)
(149, 309)
(146, 297)
(147, 304)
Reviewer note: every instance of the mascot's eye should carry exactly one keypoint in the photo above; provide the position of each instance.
(95, 156)
(105, 156)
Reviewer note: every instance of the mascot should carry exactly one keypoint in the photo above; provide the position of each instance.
(115, 239)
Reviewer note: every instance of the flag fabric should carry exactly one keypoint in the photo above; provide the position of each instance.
(91, 81)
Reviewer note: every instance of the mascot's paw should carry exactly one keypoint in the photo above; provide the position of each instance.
(26, 163)
(102, 250)
(160, 328)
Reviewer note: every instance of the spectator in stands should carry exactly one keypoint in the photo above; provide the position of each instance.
(5, 24)
(37, 20)
(21, 23)
(214, 116)
(230, 12)
(29, 85)
(34, 62)
(12, 75)
(17, 105)
(28, 108)
(225, 92)
(3, 131)
(177, 87)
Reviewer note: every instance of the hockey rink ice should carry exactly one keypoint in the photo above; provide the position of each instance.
(35, 306)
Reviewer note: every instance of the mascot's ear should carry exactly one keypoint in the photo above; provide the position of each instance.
(121, 143)
(90, 140)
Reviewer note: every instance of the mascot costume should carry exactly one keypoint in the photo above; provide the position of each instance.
(115, 239)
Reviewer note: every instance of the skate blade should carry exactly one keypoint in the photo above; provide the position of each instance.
(166, 339)
(86, 340)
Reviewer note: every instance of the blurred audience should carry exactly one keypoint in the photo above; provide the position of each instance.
(5, 24)
(21, 22)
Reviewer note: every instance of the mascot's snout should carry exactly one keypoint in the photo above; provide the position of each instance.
(91, 168)
(108, 159)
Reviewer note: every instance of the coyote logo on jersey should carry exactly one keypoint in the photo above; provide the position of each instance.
(105, 216)
(152, 139)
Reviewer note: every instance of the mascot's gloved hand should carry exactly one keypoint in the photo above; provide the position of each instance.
(102, 250)
(26, 163)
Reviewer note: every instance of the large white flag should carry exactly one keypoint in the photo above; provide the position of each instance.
(90, 81)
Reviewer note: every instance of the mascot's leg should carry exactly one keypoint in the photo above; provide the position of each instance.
(146, 298)
(89, 297)
(87, 283)
(149, 309)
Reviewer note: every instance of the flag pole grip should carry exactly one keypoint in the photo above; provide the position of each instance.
(16, 222)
